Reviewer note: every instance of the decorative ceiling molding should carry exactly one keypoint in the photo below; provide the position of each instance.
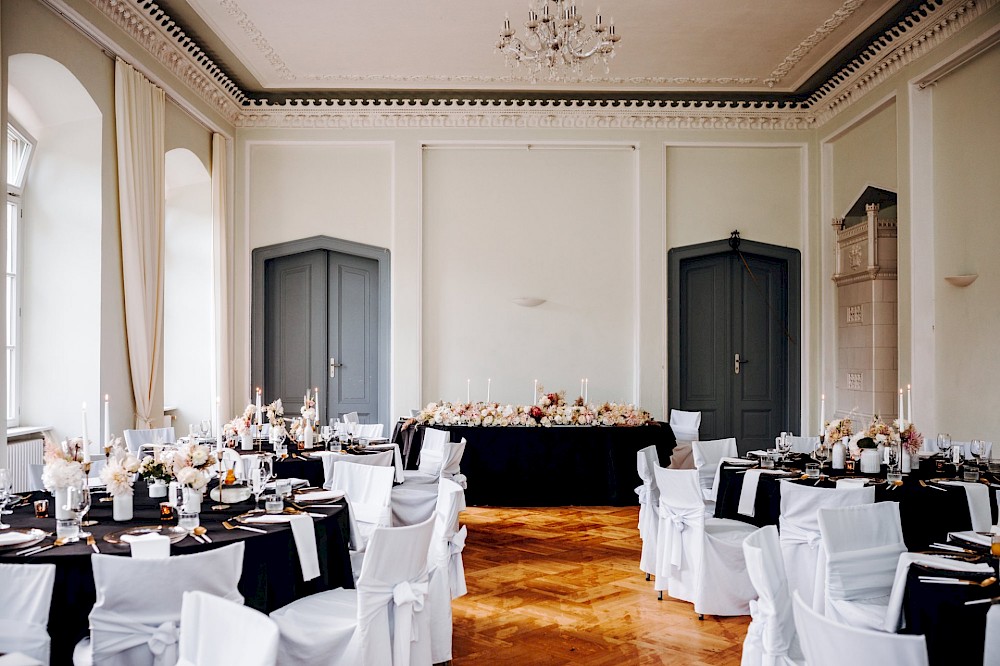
(810, 42)
(915, 35)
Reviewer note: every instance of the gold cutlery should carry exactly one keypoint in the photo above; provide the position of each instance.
(40, 549)
(927, 485)
(958, 581)
(230, 526)
(200, 531)
(92, 543)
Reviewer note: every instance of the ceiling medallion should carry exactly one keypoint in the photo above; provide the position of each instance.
(558, 43)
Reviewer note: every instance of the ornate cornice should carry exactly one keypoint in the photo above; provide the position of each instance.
(810, 42)
(911, 38)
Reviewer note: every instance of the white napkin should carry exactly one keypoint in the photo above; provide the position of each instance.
(14, 538)
(305, 538)
(894, 613)
(149, 546)
(972, 537)
(718, 471)
(851, 483)
(978, 497)
(759, 452)
(320, 496)
(748, 494)
(295, 483)
(18, 659)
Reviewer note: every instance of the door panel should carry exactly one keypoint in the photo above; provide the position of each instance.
(295, 295)
(354, 337)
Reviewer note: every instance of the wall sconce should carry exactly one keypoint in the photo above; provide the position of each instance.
(961, 280)
(528, 301)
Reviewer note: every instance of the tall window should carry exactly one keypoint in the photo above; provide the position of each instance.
(19, 149)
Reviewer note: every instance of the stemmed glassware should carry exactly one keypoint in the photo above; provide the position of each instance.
(326, 434)
(893, 458)
(258, 480)
(944, 442)
(822, 453)
(6, 484)
(80, 504)
(980, 449)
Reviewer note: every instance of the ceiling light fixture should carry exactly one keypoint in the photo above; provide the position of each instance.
(558, 42)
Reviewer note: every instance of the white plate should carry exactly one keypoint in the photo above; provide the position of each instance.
(231, 494)
(31, 537)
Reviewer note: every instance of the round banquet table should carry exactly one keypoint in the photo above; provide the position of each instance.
(271, 577)
(298, 465)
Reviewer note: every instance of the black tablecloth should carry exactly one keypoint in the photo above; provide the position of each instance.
(557, 466)
(293, 466)
(271, 577)
(927, 513)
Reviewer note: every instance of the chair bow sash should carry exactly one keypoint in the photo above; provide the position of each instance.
(862, 574)
(793, 534)
(120, 633)
(680, 518)
(407, 599)
(456, 567)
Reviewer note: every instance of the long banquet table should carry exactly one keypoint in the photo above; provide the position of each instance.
(557, 466)
(271, 577)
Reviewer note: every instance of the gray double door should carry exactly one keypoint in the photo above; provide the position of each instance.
(734, 347)
(321, 325)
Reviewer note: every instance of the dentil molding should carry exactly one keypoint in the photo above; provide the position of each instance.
(918, 33)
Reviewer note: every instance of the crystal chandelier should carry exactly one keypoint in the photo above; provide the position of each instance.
(558, 42)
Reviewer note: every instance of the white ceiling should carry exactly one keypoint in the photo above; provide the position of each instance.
(666, 45)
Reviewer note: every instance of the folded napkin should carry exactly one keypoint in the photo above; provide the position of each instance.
(972, 537)
(718, 471)
(978, 497)
(851, 483)
(894, 613)
(748, 494)
(759, 452)
(305, 538)
(149, 546)
(18, 659)
(295, 483)
(320, 496)
(14, 538)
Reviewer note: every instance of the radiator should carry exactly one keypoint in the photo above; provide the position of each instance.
(19, 456)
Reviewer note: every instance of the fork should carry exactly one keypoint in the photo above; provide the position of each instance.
(927, 485)
(92, 543)
(230, 526)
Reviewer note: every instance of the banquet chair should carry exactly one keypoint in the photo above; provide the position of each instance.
(863, 545)
(801, 541)
(699, 559)
(802, 444)
(444, 562)
(135, 619)
(136, 438)
(331, 460)
(368, 492)
(450, 469)
(35, 477)
(351, 417)
(685, 425)
(708, 456)
(827, 642)
(383, 621)
(25, 599)
(368, 430)
(646, 461)
(217, 631)
(991, 652)
(434, 454)
(414, 500)
(771, 638)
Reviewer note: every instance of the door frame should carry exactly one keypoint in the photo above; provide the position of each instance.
(793, 352)
(261, 255)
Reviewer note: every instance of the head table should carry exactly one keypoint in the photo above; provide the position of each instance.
(271, 576)
(554, 466)
(929, 510)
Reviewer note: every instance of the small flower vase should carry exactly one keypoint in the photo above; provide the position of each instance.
(883, 454)
(121, 506)
(871, 461)
(246, 441)
(839, 455)
(308, 441)
(61, 496)
(907, 461)
(192, 500)
(157, 488)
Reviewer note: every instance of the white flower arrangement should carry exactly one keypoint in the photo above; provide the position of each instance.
(190, 464)
(118, 478)
(63, 464)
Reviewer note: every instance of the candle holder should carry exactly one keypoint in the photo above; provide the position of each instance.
(221, 506)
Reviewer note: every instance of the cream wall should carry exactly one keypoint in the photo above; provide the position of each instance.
(866, 156)
(966, 238)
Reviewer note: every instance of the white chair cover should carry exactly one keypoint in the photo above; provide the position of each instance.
(368, 430)
(863, 545)
(649, 507)
(685, 425)
(368, 491)
(771, 639)
(699, 559)
(991, 654)
(381, 622)
(827, 642)
(136, 438)
(802, 444)
(35, 477)
(351, 417)
(25, 597)
(414, 501)
(447, 572)
(331, 460)
(217, 631)
(801, 551)
(707, 456)
(451, 468)
(135, 619)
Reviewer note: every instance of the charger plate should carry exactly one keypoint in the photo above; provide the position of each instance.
(33, 536)
(172, 532)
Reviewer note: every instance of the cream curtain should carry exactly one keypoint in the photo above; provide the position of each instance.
(139, 116)
(220, 225)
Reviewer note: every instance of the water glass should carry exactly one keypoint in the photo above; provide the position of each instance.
(273, 504)
(812, 470)
(68, 529)
(187, 519)
(283, 487)
(970, 473)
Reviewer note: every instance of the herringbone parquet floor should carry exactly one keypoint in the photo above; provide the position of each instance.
(563, 586)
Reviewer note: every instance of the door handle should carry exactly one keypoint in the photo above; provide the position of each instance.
(737, 362)
(333, 367)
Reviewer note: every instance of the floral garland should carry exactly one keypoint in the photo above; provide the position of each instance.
(552, 409)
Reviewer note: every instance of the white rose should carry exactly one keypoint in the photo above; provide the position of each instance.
(187, 476)
(199, 456)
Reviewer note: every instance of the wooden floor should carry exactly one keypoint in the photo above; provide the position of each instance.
(563, 586)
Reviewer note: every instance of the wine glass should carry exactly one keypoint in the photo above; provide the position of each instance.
(325, 434)
(944, 443)
(980, 449)
(206, 428)
(6, 484)
(822, 454)
(82, 505)
(257, 482)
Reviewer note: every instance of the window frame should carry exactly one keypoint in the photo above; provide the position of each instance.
(15, 198)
